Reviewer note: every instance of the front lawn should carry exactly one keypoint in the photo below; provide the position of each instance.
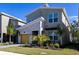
(3, 44)
(40, 51)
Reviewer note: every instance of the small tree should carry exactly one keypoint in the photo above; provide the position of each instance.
(11, 31)
(35, 40)
(60, 32)
(75, 31)
(42, 38)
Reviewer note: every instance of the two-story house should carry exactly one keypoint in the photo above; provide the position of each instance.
(46, 20)
(5, 20)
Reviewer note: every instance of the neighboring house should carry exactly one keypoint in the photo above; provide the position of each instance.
(5, 20)
(45, 20)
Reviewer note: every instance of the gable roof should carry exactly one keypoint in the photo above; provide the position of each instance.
(46, 6)
(5, 14)
(31, 23)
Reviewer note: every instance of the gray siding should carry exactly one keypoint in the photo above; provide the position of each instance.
(0, 23)
(44, 13)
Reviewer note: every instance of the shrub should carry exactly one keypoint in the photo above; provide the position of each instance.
(34, 42)
(7, 43)
(52, 45)
(56, 45)
(11, 42)
(42, 39)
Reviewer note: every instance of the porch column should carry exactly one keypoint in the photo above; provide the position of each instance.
(41, 28)
(30, 39)
(19, 38)
(70, 37)
(1, 37)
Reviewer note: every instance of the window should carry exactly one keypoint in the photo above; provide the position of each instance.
(51, 38)
(50, 18)
(55, 37)
(34, 32)
(53, 17)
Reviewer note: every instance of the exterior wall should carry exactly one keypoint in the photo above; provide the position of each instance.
(0, 27)
(5, 22)
(0, 23)
(34, 15)
(30, 28)
(16, 23)
(54, 24)
(45, 13)
(66, 26)
(64, 20)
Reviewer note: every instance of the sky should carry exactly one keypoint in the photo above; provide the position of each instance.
(20, 10)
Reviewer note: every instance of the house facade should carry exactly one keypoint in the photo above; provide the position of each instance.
(46, 20)
(5, 20)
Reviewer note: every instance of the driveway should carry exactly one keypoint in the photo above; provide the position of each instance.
(9, 53)
(14, 45)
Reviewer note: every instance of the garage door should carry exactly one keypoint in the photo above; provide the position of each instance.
(25, 38)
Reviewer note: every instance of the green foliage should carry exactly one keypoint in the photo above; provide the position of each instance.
(11, 42)
(4, 44)
(41, 39)
(56, 45)
(75, 31)
(35, 38)
(60, 30)
(7, 43)
(11, 29)
(52, 45)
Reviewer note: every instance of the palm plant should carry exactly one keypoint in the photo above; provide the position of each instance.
(42, 38)
(11, 31)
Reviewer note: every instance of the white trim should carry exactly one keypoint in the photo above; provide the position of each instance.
(2, 13)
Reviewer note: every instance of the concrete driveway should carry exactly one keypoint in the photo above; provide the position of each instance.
(9, 53)
(14, 45)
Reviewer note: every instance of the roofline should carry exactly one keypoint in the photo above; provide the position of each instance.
(42, 8)
(2, 13)
(32, 22)
(63, 9)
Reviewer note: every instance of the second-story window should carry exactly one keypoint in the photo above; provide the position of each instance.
(53, 17)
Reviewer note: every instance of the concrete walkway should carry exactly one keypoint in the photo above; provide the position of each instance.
(14, 45)
(9, 53)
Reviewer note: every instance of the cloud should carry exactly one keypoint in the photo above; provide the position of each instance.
(73, 18)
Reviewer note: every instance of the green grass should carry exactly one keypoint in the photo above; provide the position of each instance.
(39, 51)
(3, 44)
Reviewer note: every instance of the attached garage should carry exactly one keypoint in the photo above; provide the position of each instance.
(32, 28)
(24, 38)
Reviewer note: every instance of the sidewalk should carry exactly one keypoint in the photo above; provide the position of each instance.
(9, 53)
(14, 45)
